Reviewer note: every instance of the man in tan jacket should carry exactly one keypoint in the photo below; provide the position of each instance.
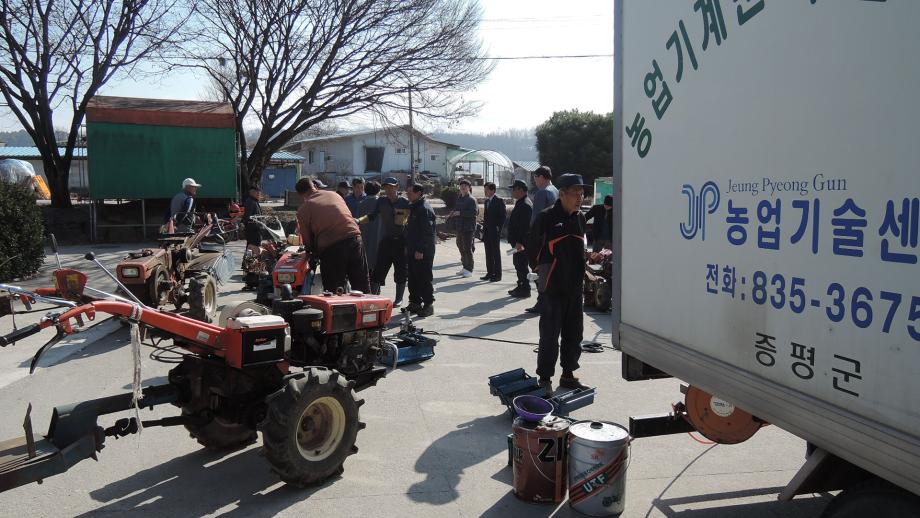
(330, 233)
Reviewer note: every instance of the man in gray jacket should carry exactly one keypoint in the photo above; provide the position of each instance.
(370, 230)
(543, 199)
(465, 210)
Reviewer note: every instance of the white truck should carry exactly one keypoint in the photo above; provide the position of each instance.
(767, 205)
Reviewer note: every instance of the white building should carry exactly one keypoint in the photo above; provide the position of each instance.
(369, 152)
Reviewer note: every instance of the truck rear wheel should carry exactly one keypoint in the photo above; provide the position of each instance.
(874, 497)
(310, 427)
(202, 298)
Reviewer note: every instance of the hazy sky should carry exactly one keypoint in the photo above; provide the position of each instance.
(519, 93)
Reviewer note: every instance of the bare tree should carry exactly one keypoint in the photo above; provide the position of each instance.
(290, 65)
(59, 53)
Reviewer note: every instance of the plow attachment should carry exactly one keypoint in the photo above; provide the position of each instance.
(73, 436)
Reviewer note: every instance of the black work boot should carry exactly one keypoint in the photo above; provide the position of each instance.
(426, 311)
(375, 288)
(546, 383)
(400, 291)
(414, 307)
(569, 381)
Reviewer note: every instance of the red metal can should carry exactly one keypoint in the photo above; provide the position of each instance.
(539, 464)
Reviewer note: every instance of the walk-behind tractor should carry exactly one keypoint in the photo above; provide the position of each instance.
(290, 372)
(598, 275)
(295, 268)
(186, 268)
(258, 266)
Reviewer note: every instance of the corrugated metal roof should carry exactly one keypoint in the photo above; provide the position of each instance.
(287, 156)
(367, 131)
(164, 105)
(527, 165)
(31, 153)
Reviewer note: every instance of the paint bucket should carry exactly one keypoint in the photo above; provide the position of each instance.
(598, 453)
(538, 470)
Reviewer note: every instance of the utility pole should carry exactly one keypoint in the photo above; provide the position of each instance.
(411, 145)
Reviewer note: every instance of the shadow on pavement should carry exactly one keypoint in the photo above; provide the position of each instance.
(802, 506)
(448, 456)
(201, 483)
(496, 326)
(478, 309)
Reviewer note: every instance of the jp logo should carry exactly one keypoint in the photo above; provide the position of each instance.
(698, 207)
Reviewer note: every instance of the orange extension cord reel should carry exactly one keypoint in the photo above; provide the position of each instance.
(717, 419)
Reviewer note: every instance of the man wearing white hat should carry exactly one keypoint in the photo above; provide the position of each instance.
(182, 204)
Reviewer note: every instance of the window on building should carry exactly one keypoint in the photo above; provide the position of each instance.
(310, 157)
(435, 158)
(401, 151)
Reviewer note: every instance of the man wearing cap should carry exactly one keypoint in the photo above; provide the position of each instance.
(420, 240)
(182, 204)
(557, 251)
(465, 210)
(518, 226)
(342, 189)
(392, 213)
(543, 199)
(494, 213)
(357, 194)
(330, 233)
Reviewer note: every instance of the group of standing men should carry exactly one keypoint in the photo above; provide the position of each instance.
(359, 236)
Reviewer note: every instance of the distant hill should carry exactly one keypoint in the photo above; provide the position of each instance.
(22, 139)
(518, 144)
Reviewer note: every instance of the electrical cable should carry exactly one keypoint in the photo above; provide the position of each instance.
(590, 347)
(455, 335)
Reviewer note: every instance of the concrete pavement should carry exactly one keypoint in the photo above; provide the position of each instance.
(434, 443)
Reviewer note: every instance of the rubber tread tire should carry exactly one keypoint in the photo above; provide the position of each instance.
(279, 439)
(196, 290)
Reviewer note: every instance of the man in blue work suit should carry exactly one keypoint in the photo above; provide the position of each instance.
(557, 251)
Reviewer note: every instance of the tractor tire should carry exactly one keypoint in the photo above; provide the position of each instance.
(202, 298)
(156, 289)
(310, 427)
(602, 296)
(220, 435)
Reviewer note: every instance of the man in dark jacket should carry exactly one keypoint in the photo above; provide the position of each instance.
(602, 225)
(392, 212)
(251, 207)
(557, 250)
(420, 239)
(518, 226)
(493, 221)
(465, 210)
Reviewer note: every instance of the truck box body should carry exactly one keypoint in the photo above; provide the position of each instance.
(768, 197)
